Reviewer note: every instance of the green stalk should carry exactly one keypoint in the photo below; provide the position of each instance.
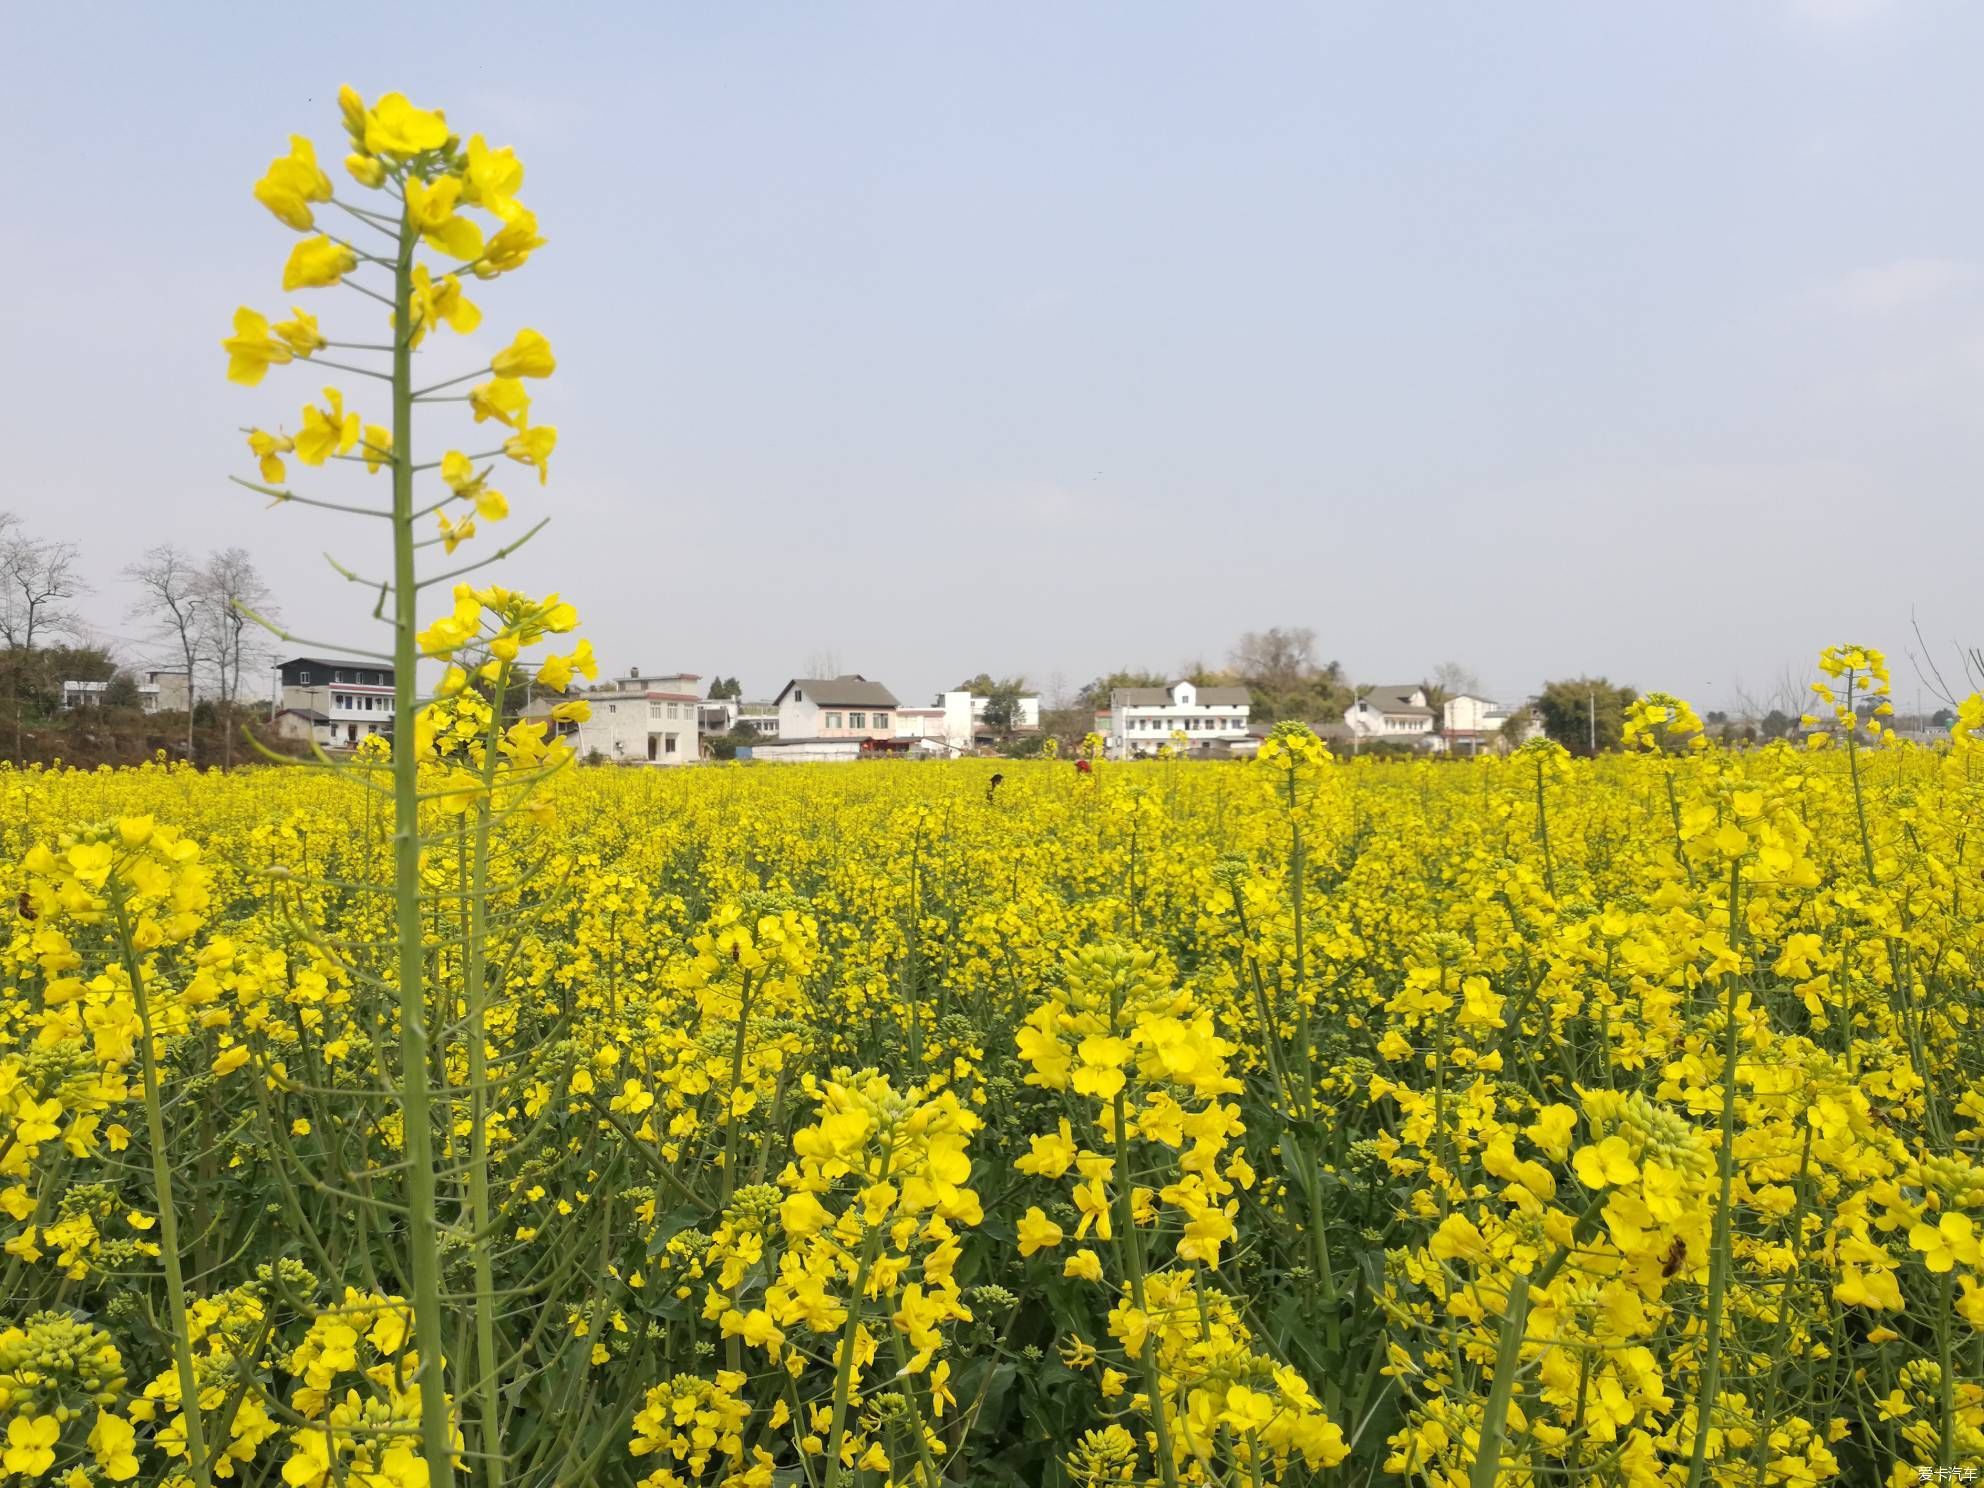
(1725, 1161)
(1487, 1468)
(1543, 835)
(844, 1366)
(416, 1114)
(1298, 870)
(1773, 1382)
(1495, 1419)
(1133, 1264)
(930, 1474)
(168, 1216)
(734, 1345)
(475, 977)
(1946, 1392)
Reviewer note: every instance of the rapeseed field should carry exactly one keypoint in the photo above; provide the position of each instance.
(1292, 1121)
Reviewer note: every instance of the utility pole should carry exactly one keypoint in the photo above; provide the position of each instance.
(1591, 712)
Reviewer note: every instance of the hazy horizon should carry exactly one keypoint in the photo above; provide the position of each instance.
(1547, 341)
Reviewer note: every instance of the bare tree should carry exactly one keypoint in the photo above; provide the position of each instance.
(1785, 694)
(824, 664)
(38, 578)
(1276, 657)
(1454, 680)
(169, 595)
(229, 587)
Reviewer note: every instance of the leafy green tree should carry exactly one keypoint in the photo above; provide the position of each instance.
(726, 687)
(1579, 709)
(1002, 707)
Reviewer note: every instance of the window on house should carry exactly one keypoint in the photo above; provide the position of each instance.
(857, 720)
(798, 696)
(303, 679)
(881, 720)
(833, 720)
(668, 744)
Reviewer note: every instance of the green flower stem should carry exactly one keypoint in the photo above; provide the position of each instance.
(1131, 1245)
(1487, 1469)
(733, 1129)
(1725, 1161)
(476, 985)
(871, 1249)
(168, 1216)
(1773, 1383)
(423, 1230)
(1543, 834)
(930, 1474)
(1946, 1381)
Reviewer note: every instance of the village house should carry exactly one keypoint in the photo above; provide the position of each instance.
(1141, 719)
(333, 702)
(1397, 712)
(845, 707)
(166, 690)
(636, 720)
(822, 719)
(1477, 725)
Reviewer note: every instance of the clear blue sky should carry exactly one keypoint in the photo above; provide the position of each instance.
(1544, 338)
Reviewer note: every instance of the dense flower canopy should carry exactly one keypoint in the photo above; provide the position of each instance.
(929, 1132)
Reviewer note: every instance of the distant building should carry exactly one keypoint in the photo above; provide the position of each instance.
(84, 694)
(1141, 719)
(1477, 725)
(727, 715)
(1398, 712)
(930, 731)
(333, 701)
(637, 720)
(762, 717)
(165, 690)
(845, 707)
(964, 722)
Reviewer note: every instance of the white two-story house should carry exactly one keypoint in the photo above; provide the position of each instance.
(1398, 712)
(1141, 719)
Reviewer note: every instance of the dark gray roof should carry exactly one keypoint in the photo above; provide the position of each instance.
(1391, 698)
(851, 691)
(1158, 697)
(308, 713)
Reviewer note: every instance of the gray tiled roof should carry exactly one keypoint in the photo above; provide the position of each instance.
(1158, 697)
(854, 691)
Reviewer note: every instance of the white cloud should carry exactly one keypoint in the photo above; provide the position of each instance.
(1900, 285)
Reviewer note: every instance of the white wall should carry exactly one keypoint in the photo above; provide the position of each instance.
(798, 718)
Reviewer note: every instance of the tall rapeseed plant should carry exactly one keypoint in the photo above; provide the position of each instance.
(411, 241)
